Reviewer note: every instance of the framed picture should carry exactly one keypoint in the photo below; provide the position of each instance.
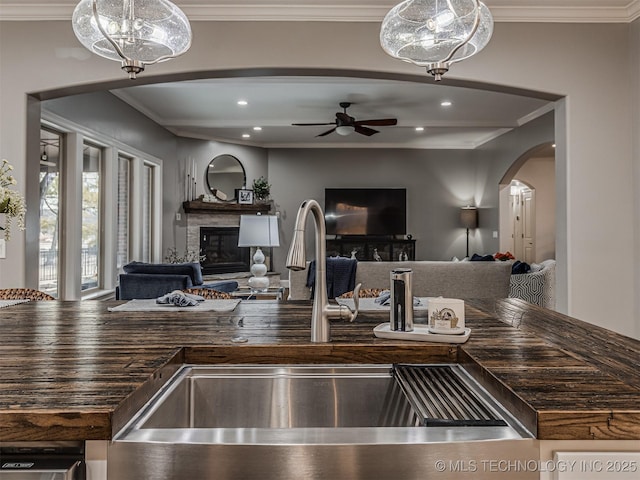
(245, 197)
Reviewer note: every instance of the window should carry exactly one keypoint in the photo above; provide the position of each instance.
(91, 212)
(123, 212)
(49, 239)
(100, 208)
(147, 213)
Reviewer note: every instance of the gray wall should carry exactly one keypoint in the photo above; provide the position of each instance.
(438, 183)
(552, 57)
(253, 159)
(103, 112)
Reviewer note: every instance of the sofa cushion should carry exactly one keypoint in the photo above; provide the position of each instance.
(192, 269)
(145, 286)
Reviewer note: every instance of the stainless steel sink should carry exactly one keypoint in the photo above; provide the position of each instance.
(282, 397)
(252, 421)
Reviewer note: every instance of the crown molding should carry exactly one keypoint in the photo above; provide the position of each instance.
(18, 11)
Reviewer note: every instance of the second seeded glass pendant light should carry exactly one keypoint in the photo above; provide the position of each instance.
(436, 33)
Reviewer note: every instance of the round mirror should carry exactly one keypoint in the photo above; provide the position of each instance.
(225, 174)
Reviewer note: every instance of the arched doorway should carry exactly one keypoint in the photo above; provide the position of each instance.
(528, 206)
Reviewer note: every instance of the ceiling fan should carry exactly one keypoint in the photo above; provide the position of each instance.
(345, 124)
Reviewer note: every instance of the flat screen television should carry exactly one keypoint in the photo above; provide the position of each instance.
(366, 211)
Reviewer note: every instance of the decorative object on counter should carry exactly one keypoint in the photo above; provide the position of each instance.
(353, 253)
(435, 34)
(12, 204)
(136, 33)
(376, 255)
(189, 256)
(401, 315)
(468, 220)
(245, 196)
(261, 189)
(225, 176)
(403, 257)
(446, 316)
(258, 231)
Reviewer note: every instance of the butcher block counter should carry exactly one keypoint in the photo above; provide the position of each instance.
(76, 371)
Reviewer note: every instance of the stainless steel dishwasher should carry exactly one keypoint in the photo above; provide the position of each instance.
(42, 461)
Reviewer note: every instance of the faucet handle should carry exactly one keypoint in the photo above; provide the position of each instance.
(356, 301)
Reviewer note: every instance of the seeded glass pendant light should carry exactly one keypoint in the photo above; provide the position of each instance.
(436, 33)
(135, 32)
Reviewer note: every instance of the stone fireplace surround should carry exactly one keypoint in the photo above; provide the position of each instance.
(219, 214)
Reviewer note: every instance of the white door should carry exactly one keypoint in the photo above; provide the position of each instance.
(523, 214)
(528, 225)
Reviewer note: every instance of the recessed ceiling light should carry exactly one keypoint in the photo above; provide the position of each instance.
(419, 129)
(257, 129)
(242, 103)
(553, 145)
(445, 103)
(246, 135)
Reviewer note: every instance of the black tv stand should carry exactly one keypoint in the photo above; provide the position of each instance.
(366, 247)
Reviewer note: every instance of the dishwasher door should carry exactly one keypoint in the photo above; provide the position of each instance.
(36, 461)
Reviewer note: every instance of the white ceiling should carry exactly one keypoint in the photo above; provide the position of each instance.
(207, 109)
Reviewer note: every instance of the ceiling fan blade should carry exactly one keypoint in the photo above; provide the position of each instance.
(327, 132)
(365, 130)
(311, 124)
(380, 122)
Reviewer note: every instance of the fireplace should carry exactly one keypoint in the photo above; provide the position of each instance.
(220, 245)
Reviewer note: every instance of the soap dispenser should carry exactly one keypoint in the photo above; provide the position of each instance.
(401, 300)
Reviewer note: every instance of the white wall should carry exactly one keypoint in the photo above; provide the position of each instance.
(576, 60)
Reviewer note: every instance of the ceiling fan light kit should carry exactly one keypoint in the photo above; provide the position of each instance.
(134, 32)
(436, 33)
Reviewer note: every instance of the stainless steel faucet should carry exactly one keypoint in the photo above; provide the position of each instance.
(296, 260)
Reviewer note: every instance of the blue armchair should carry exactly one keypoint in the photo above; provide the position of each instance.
(152, 280)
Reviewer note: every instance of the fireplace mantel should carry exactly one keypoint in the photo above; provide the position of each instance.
(224, 208)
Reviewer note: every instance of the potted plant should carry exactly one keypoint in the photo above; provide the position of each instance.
(12, 204)
(261, 189)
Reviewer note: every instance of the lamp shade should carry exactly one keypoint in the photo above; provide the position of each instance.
(258, 231)
(136, 32)
(469, 217)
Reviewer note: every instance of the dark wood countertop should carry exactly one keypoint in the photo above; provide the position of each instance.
(74, 371)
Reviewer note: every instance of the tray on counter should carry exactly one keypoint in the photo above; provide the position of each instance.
(420, 333)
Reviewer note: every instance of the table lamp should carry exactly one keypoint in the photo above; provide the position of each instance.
(469, 219)
(258, 231)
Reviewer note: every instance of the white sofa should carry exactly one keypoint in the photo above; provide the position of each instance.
(430, 278)
(538, 287)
